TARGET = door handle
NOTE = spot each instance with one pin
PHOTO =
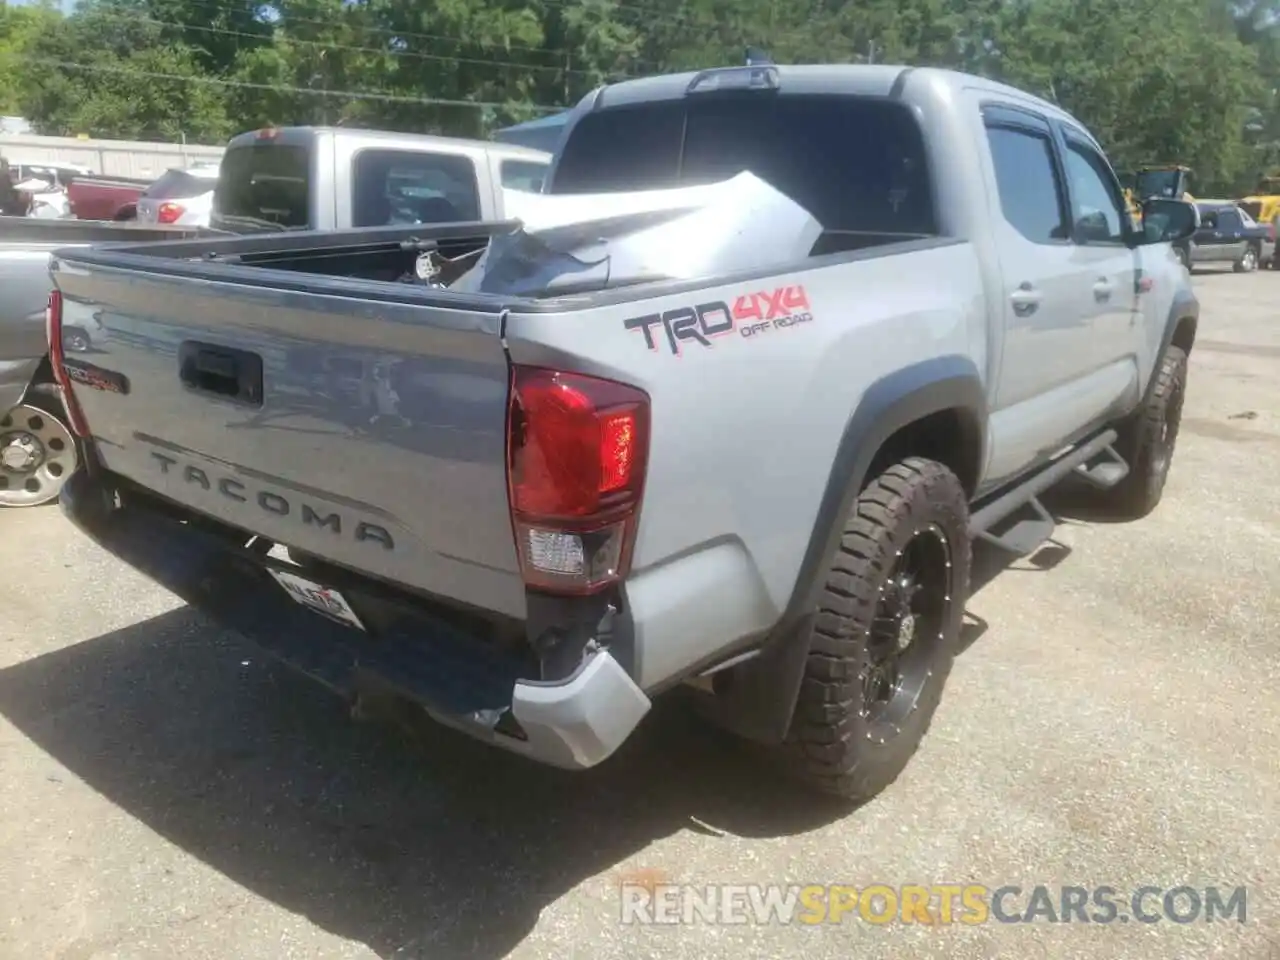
(1026, 299)
(221, 371)
(1102, 289)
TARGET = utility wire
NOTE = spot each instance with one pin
(219, 6)
(244, 84)
(381, 51)
(650, 16)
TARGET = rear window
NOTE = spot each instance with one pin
(178, 185)
(523, 175)
(403, 186)
(265, 181)
(1253, 208)
(855, 163)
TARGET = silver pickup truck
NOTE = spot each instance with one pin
(532, 514)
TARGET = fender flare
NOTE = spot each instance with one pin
(1185, 309)
(760, 699)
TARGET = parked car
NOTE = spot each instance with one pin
(40, 188)
(36, 454)
(323, 178)
(561, 497)
(1227, 234)
(104, 198)
(181, 195)
(58, 174)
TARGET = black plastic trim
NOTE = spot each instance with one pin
(900, 83)
(891, 403)
(1185, 307)
(1001, 113)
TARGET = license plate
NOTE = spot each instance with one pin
(320, 598)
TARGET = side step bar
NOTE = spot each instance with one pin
(1106, 470)
(1027, 534)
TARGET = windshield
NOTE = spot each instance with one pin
(857, 164)
(265, 182)
(1159, 183)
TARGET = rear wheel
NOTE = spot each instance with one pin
(1248, 261)
(37, 451)
(885, 634)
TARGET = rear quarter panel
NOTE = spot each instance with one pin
(745, 428)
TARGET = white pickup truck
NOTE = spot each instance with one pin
(334, 178)
(531, 507)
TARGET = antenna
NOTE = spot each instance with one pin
(758, 58)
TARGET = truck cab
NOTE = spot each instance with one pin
(331, 178)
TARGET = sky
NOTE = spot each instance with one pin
(66, 5)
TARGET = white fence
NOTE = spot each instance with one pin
(119, 158)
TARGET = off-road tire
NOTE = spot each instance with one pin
(830, 746)
(1147, 440)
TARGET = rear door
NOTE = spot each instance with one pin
(1210, 244)
(1231, 226)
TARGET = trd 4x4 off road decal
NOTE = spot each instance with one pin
(752, 315)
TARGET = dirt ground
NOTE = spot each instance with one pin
(1114, 721)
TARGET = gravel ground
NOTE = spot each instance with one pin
(1113, 722)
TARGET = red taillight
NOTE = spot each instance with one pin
(577, 447)
(169, 212)
(53, 330)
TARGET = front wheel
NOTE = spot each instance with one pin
(1148, 438)
(885, 633)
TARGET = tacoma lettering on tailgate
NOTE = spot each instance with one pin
(752, 315)
(268, 501)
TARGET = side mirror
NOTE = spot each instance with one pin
(1168, 221)
(1093, 228)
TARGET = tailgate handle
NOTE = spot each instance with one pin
(221, 371)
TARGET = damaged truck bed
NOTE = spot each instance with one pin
(723, 409)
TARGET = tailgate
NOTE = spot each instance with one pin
(366, 432)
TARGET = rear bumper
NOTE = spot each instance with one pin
(458, 679)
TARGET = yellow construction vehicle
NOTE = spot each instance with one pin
(1169, 180)
(1264, 204)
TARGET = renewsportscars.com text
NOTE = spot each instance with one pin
(675, 904)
